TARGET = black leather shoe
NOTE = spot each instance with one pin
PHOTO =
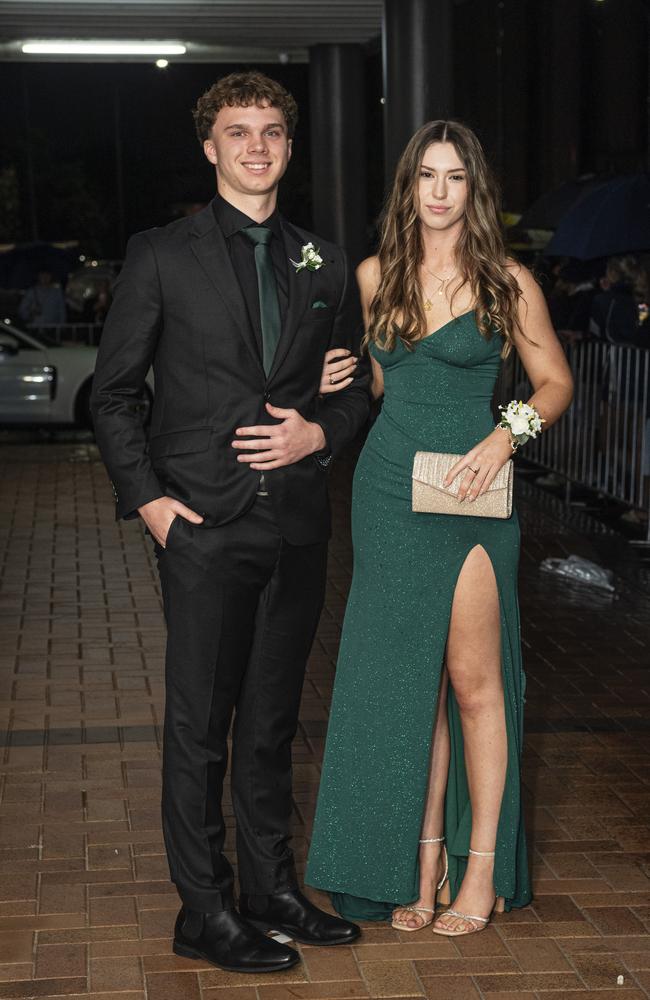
(293, 914)
(227, 941)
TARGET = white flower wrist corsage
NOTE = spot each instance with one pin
(310, 259)
(522, 420)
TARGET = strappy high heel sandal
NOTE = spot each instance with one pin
(478, 923)
(420, 910)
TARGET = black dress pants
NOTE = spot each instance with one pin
(242, 606)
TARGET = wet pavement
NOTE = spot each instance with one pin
(86, 908)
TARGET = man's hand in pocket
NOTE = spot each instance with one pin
(158, 515)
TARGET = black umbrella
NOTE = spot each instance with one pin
(548, 211)
(614, 218)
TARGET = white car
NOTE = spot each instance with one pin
(43, 383)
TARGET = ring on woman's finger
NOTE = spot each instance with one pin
(332, 380)
(475, 471)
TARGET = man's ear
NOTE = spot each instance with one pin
(210, 151)
(289, 148)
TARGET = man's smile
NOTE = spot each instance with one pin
(256, 167)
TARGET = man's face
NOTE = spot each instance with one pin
(250, 148)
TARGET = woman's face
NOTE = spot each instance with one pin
(442, 187)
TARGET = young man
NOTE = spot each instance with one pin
(232, 486)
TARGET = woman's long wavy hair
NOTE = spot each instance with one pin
(397, 310)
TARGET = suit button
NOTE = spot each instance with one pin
(267, 396)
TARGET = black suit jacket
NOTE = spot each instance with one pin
(178, 306)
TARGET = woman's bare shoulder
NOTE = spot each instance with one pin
(369, 274)
(522, 275)
(529, 287)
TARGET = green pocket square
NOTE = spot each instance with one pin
(319, 304)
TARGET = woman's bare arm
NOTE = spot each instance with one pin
(368, 277)
(547, 368)
(541, 354)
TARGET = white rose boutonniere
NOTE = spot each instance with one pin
(523, 422)
(310, 260)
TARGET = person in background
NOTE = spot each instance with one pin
(619, 313)
(43, 304)
(102, 301)
(570, 301)
(619, 316)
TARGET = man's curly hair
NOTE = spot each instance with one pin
(241, 90)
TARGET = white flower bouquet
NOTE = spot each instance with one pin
(310, 260)
(522, 420)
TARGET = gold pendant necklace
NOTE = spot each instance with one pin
(428, 304)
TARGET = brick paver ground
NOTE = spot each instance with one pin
(86, 908)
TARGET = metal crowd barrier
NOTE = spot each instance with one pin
(603, 440)
(70, 333)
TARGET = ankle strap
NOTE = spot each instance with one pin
(482, 854)
(432, 840)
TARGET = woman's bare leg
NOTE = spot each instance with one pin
(474, 667)
(431, 855)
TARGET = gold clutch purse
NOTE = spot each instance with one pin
(431, 497)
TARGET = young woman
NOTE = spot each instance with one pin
(420, 796)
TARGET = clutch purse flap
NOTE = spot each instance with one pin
(430, 496)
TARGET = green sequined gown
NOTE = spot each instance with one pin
(364, 848)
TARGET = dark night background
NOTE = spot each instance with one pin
(72, 117)
(506, 83)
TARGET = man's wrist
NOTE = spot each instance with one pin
(319, 439)
(145, 505)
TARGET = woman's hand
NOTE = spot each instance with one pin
(338, 370)
(481, 464)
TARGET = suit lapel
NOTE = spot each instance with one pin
(210, 249)
(299, 283)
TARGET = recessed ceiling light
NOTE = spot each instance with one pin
(98, 48)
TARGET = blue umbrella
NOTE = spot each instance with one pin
(612, 219)
(548, 211)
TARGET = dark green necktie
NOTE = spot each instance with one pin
(268, 289)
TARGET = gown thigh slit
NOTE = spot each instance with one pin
(458, 813)
(375, 775)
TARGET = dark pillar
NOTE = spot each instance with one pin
(418, 69)
(513, 132)
(493, 50)
(617, 87)
(646, 6)
(119, 171)
(338, 154)
(647, 95)
(560, 31)
(29, 161)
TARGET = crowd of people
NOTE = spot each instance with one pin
(47, 304)
(606, 300)
(603, 300)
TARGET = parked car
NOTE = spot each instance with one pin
(44, 383)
